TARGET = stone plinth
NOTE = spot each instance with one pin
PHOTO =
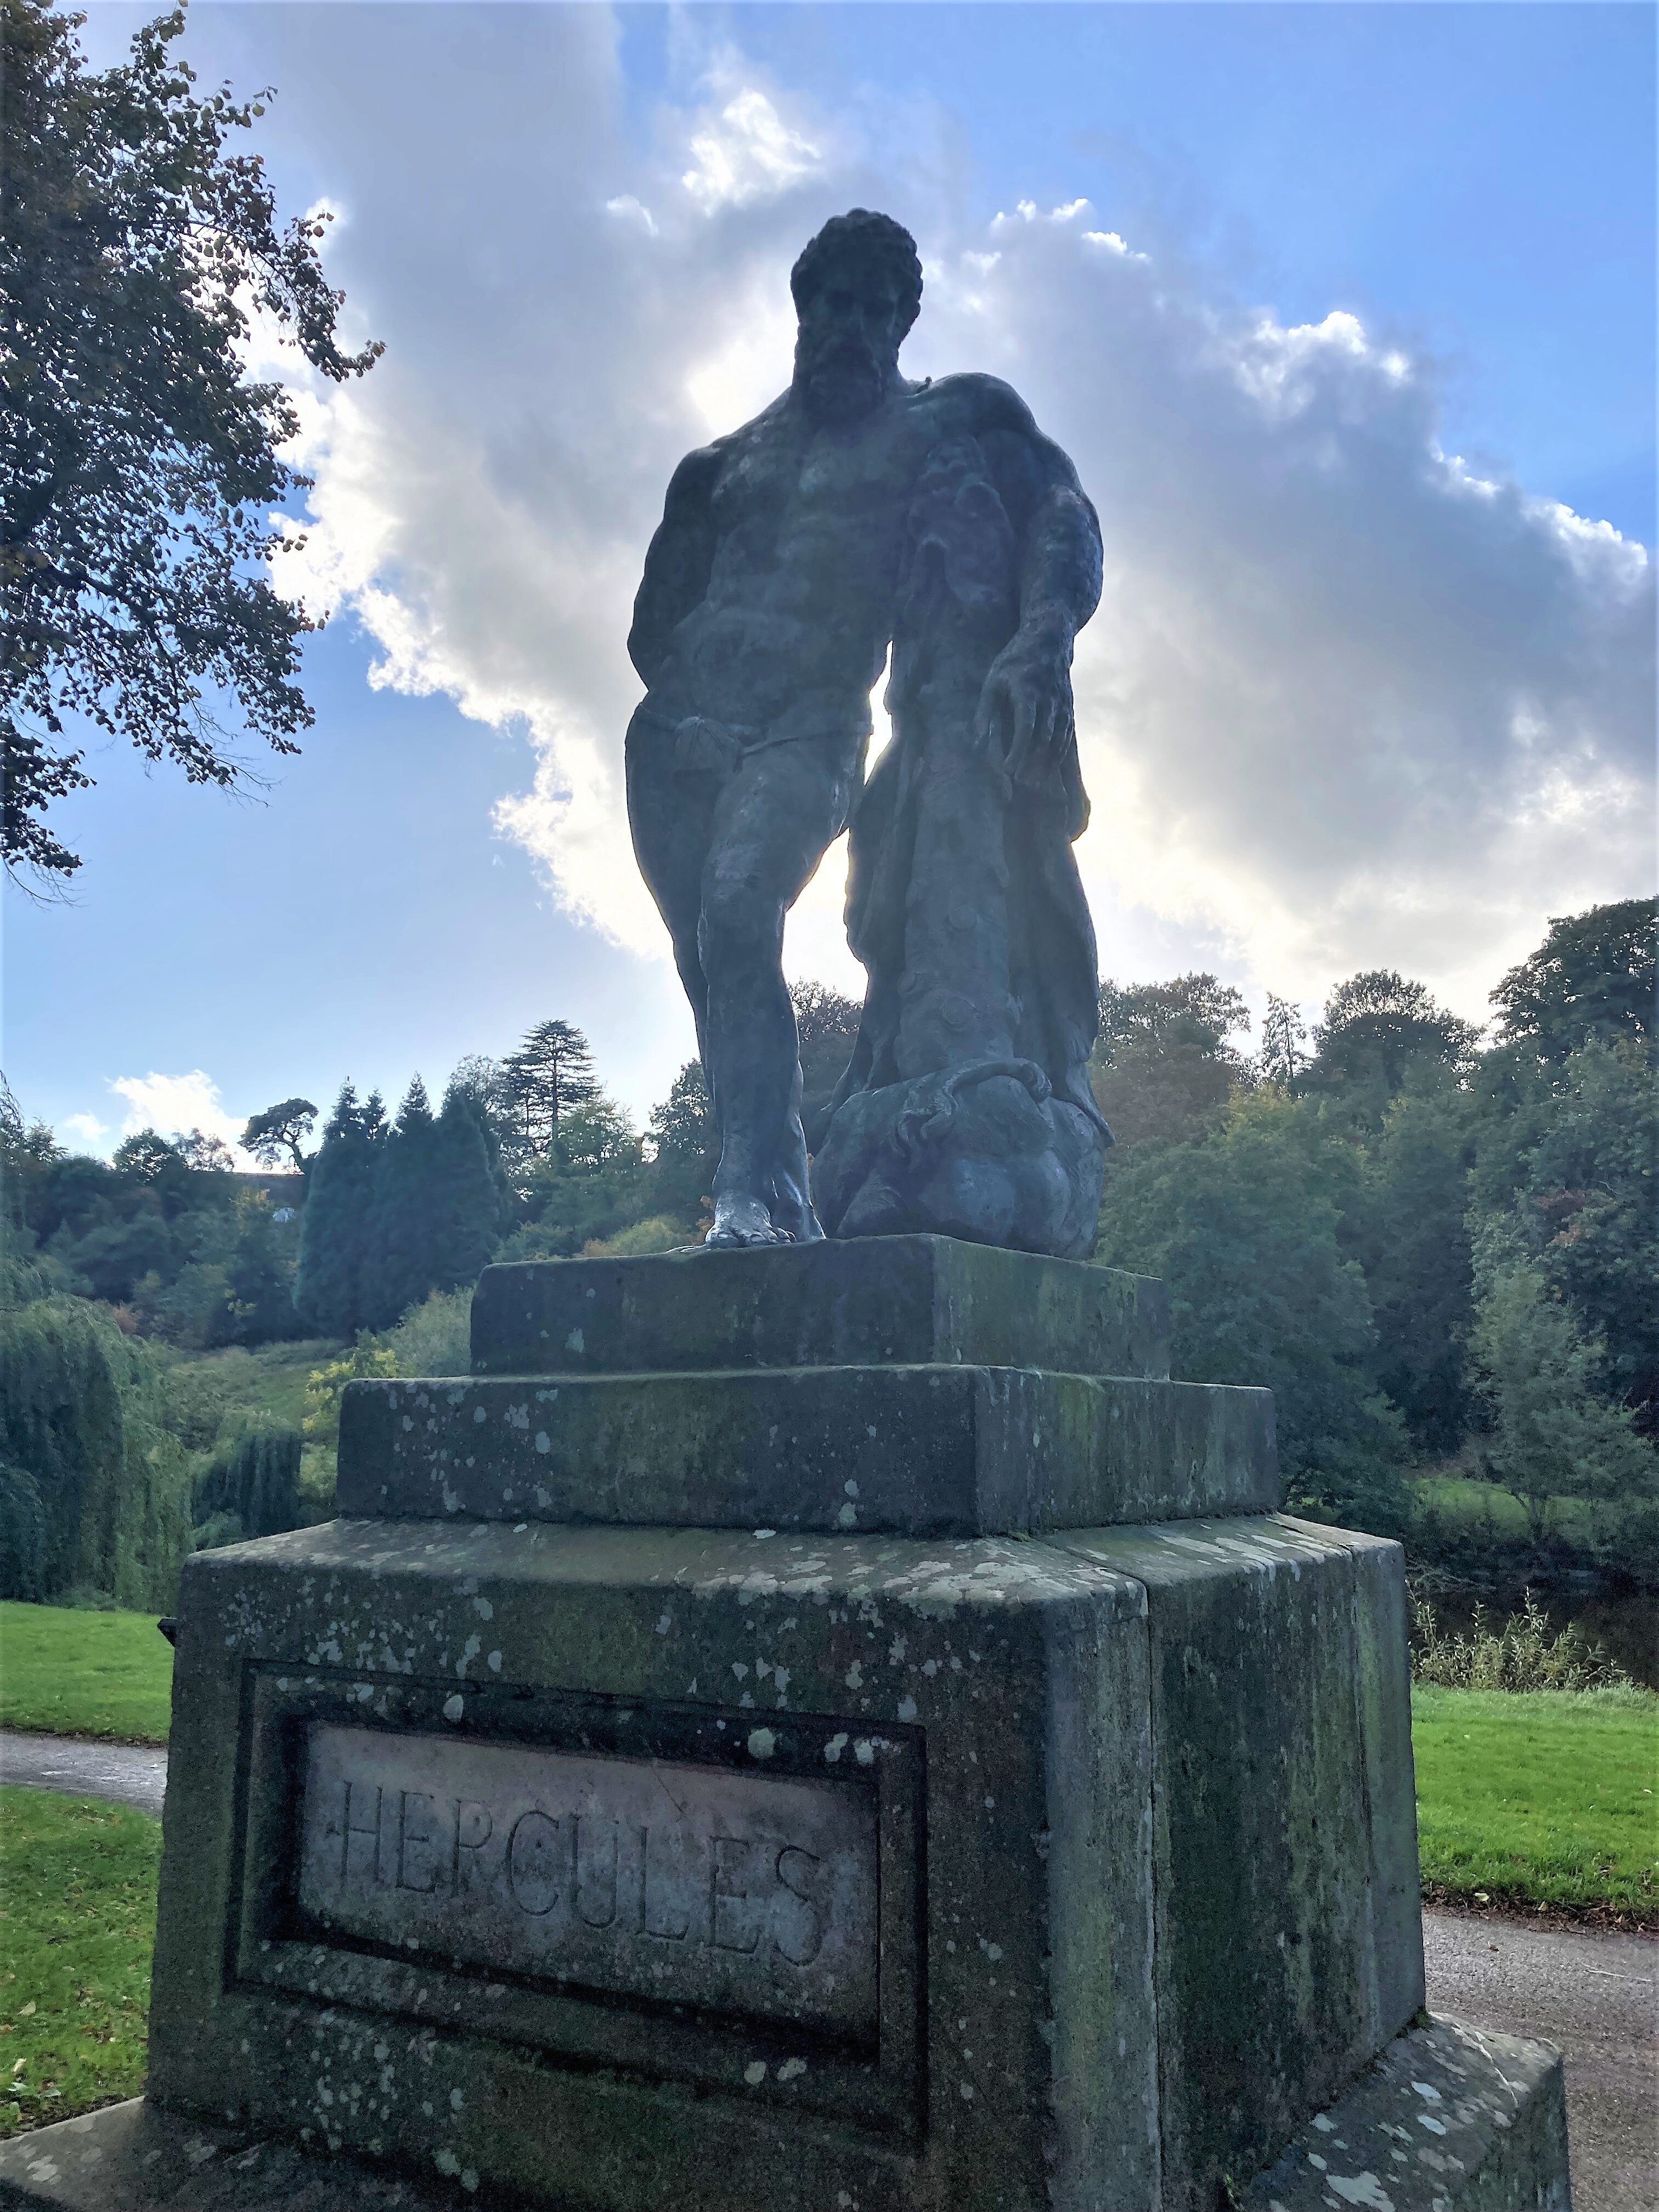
(951, 1833)
(909, 1300)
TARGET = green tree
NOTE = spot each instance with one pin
(1243, 1228)
(146, 1157)
(399, 1262)
(1571, 1169)
(252, 1485)
(203, 1154)
(1161, 1066)
(99, 1484)
(597, 1138)
(1283, 1033)
(684, 1146)
(1378, 1029)
(277, 1134)
(1408, 1225)
(259, 1277)
(826, 1030)
(551, 1071)
(1592, 980)
(325, 1387)
(466, 1216)
(139, 465)
(338, 1222)
(1555, 1433)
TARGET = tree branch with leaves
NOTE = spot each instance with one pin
(139, 465)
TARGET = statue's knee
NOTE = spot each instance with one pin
(738, 926)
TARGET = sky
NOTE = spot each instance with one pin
(1345, 313)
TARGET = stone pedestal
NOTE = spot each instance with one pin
(834, 1728)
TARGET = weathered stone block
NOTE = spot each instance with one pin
(1451, 2119)
(946, 1450)
(914, 1300)
(1289, 1946)
(976, 1715)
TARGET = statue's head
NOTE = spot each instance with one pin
(857, 289)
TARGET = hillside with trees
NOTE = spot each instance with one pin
(1436, 1245)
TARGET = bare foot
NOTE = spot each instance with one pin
(742, 1220)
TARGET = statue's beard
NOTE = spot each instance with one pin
(843, 379)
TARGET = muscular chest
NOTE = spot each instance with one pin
(807, 506)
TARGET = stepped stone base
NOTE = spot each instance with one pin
(908, 1451)
(1451, 2119)
(1498, 2143)
(797, 1731)
(904, 1300)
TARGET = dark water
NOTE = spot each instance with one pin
(1626, 1624)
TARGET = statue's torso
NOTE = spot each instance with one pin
(809, 527)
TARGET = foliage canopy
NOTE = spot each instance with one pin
(138, 461)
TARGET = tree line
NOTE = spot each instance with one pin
(1436, 1246)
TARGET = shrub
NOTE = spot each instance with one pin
(326, 1385)
(660, 1233)
(436, 1337)
(1522, 1656)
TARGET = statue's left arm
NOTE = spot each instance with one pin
(1025, 711)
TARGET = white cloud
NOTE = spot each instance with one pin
(85, 1129)
(172, 1105)
(1343, 705)
(748, 153)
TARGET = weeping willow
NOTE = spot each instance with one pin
(95, 1489)
(252, 1488)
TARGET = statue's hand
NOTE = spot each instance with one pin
(1025, 715)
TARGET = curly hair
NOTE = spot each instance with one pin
(861, 236)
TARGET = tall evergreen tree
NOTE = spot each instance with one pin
(400, 1267)
(338, 1217)
(551, 1070)
(465, 1201)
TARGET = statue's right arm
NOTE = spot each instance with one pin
(677, 562)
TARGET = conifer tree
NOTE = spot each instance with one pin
(463, 1201)
(399, 1266)
(551, 1070)
(338, 1217)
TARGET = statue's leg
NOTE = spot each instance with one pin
(774, 821)
(671, 817)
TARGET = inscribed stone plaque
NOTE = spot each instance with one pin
(690, 1884)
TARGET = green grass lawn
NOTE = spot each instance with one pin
(77, 1902)
(1457, 1499)
(271, 1379)
(1544, 1798)
(84, 1673)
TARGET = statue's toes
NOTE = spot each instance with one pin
(733, 1238)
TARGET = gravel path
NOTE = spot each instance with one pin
(1596, 1996)
(126, 1773)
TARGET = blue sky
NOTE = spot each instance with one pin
(1353, 344)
